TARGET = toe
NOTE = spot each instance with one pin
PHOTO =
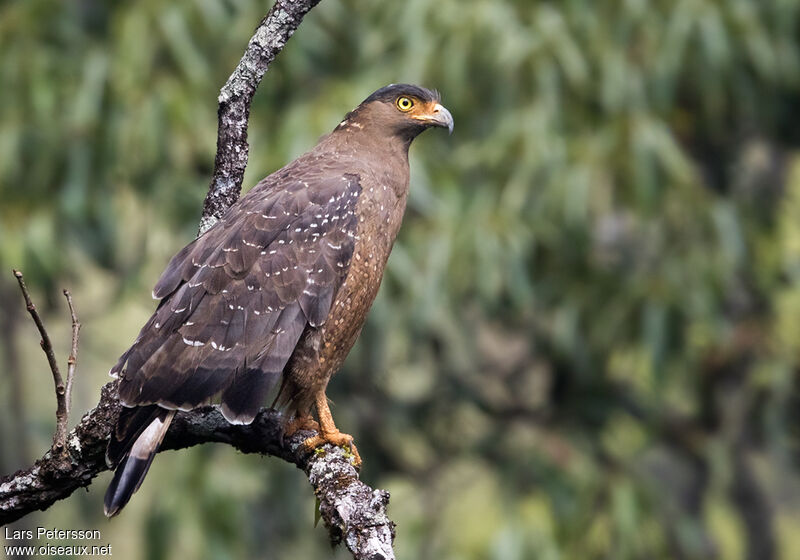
(301, 424)
(313, 442)
(339, 440)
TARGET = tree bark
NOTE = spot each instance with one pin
(235, 98)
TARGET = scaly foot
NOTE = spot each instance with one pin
(336, 438)
(328, 432)
(301, 423)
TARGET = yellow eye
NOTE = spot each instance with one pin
(404, 104)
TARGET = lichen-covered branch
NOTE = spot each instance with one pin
(353, 512)
(235, 97)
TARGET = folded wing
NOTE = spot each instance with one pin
(235, 302)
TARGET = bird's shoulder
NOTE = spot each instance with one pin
(300, 222)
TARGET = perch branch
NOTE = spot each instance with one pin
(353, 513)
(62, 390)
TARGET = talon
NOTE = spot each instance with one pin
(335, 438)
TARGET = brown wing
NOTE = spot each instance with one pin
(235, 302)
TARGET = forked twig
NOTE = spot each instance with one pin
(62, 390)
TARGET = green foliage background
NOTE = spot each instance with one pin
(588, 338)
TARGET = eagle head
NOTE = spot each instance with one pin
(403, 110)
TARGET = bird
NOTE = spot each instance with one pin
(270, 300)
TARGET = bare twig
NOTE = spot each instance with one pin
(73, 351)
(62, 411)
(234, 99)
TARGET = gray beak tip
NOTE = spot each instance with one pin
(443, 118)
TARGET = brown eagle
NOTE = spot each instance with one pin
(277, 290)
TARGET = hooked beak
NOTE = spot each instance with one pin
(440, 116)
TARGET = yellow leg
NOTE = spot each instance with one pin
(328, 433)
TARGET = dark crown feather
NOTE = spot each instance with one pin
(392, 91)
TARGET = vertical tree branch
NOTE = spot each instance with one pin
(234, 105)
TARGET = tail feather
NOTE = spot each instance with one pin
(131, 423)
(135, 463)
